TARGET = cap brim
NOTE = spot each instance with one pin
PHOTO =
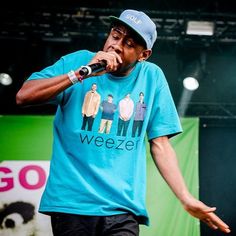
(115, 19)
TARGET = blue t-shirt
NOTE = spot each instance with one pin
(94, 173)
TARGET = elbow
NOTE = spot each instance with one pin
(20, 99)
(160, 145)
(23, 97)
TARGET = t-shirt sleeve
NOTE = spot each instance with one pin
(51, 71)
(66, 63)
(164, 119)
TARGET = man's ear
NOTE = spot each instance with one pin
(145, 54)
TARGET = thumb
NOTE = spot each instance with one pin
(209, 209)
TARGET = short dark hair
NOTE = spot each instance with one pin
(141, 93)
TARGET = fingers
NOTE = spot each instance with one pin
(209, 223)
(209, 209)
(224, 229)
(213, 221)
(206, 214)
(112, 59)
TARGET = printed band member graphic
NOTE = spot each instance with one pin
(126, 108)
(139, 114)
(90, 107)
(108, 109)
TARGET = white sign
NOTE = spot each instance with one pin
(21, 187)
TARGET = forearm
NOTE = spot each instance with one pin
(165, 160)
(41, 90)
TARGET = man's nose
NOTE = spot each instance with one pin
(118, 47)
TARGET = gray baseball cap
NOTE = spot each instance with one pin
(140, 23)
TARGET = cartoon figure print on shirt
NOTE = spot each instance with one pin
(139, 115)
(123, 114)
(108, 109)
(126, 108)
(90, 107)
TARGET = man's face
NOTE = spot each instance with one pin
(109, 99)
(94, 87)
(127, 96)
(126, 45)
(141, 96)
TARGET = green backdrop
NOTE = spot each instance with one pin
(30, 138)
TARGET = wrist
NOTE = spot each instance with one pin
(186, 198)
(74, 77)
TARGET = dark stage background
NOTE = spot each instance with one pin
(217, 171)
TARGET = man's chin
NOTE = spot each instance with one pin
(117, 73)
(122, 71)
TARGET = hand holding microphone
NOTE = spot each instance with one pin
(104, 61)
(84, 71)
(95, 67)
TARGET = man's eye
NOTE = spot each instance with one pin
(129, 43)
(115, 36)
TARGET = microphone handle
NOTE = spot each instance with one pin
(89, 69)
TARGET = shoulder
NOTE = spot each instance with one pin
(152, 68)
(153, 73)
(83, 55)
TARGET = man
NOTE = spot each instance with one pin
(126, 108)
(108, 110)
(90, 107)
(96, 186)
(139, 115)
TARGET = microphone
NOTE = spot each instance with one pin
(89, 69)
